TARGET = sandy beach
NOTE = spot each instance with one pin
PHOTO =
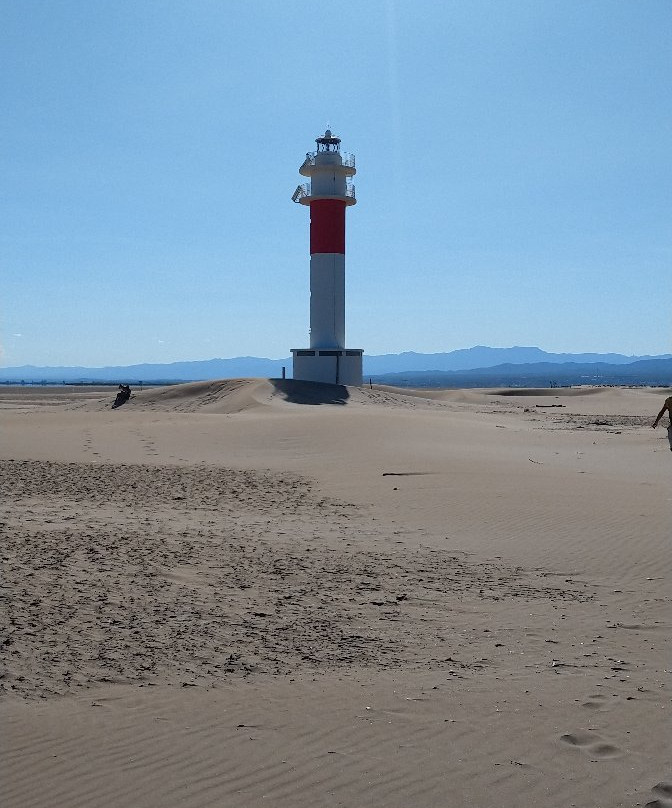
(253, 592)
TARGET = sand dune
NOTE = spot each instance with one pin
(265, 592)
(239, 395)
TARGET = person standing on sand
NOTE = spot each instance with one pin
(667, 407)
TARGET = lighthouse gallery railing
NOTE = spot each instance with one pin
(303, 191)
(348, 159)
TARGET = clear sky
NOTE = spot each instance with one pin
(514, 175)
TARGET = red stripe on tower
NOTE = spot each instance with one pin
(327, 226)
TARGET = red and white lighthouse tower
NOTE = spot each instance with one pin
(329, 192)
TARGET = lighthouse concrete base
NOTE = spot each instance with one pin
(328, 365)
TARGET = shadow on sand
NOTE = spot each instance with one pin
(298, 392)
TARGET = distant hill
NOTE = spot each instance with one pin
(481, 356)
(650, 372)
(242, 366)
(245, 366)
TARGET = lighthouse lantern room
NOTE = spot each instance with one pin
(329, 192)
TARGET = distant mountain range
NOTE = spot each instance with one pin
(240, 367)
(483, 357)
(469, 363)
(648, 372)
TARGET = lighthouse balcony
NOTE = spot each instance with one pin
(334, 160)
(304, 196)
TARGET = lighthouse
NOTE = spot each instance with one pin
(328, 194)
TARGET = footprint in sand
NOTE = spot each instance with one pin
(148, 445)
(663, 795)
(598, 702)
(592, 744)
(88, 442)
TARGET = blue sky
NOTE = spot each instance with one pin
(513, 180)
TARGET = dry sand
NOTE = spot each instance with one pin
(248, 593)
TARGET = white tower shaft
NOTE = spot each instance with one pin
(327, 300)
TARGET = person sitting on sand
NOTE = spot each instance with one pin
(667, 407)
(122, 396)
